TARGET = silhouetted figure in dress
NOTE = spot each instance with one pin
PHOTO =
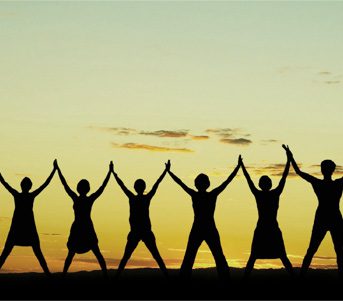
(328, 216)
(267, 241)
(204, 227)
(23, 230)
(82, 236)
(140, 221)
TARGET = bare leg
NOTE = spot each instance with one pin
(250, 266)
(38, 252)
(100, 259)
(317, 236)
(337, 239)
(213, 241)
(150, 242)
(68, 261)
(132, 242)
(6, 251)
(194, 242)
(287, 264)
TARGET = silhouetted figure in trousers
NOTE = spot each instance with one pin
(267, 241)
(23, 230)
(328, 216)
(82, 236)
(140, 221)
(204, 227)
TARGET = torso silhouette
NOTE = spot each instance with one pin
(23, 230)
(139, 213)
(82, 234)
(82, 208)
(204, 205)
(267, 206)
(328, 193)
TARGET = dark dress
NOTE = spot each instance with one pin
(82, 236)
(23, 230)
(267, 241)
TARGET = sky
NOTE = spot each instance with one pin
(196, 82)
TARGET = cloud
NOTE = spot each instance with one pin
(268, 141)
(200, 137)
(230, 135)
(276, 169)
(51, 234)
(153, 148)
(236, 141)
(224, 133)
(325, 257)
(338, 170)
(324, 73)
(332, 82)
(22, 175)
(166, 134)
(184, 250)
(133, 262)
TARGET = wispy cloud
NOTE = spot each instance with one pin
(324, 73)
(338, 170)
(51, 234)
(325, 257)
(222, 132)
(332, 82)
(116, 130)
(166, 134)
(233, 136)
(237, 141)
(276, 169)
(269, 141)
(199, 137)
(184, 250)
(133, 262)
(153, 148)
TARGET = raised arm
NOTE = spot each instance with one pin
(100, 190)
(183, 185)
(8, 186)
(159, 180)
(68, 190)
(302, 174)
(247, 176)
(47, 181)
(122, 186)
(222, 186)
(282, 182)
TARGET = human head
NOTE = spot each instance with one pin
(202, 182)
(139, 186)
(265, 183)
(26, 184)
(83, 187)
(327, 167)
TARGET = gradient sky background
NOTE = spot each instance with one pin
(143, 82)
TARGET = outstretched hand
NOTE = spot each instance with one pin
(168, 164)
(288, 151)
(55, 164)
(240, 160)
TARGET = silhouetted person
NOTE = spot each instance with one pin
(140, 221)
(328, 216)
(204, 227)
(82, 236)
(23, 230)
(267, 241)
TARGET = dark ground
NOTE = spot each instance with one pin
(150, 284)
